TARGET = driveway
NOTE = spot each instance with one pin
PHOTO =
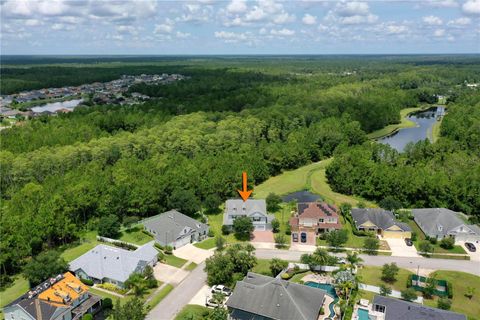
(201, 297)
(400, 249)
(192, 253)
(168, 274)
(262, 236)
(180, 295)
(474, 256)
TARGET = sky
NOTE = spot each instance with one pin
(150, 27)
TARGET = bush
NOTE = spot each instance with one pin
(168, 249)
(449, 290)
(414, 236)
(409, 294)
(444, 304)
(273, 202)
(426, 247)
(225, 230)
(159, 246)
(147, 233)
(289, 229)
(112, 287)
(275, 225)
(409, 280)
(286, 276)
(87, 282)
(211, 234)
(220, 243)
(161, 256)
(280, 240)
(107, 303)
(432, 240)
(447, 243)
(87, 316)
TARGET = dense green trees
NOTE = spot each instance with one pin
(47, 264)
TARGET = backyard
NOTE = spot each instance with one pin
(372, 275)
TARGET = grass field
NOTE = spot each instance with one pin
(372, 275)
(310, 177)
(206, 244)
(174, 261)
(135, 235)
(19, 287)
(88, 241)
(404, 123)
(192, 312)
(460, 281)
(159, 297)
(262, 267)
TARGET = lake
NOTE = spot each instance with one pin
(54, 106)
(424, 120)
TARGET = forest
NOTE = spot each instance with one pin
(187, 146)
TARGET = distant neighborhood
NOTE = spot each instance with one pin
(23, 104)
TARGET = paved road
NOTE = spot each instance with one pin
(472, 267)
(180, 296)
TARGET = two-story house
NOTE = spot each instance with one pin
(63, 297)
(311, 219)
(256, 210)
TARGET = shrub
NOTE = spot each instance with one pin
(161, 256)
(289, 229)
(168, 249)
(112, 287)
(449, 290)
(107, 303)
(385, 290)
(88, 282)
(409, 280)
(211, 234)
(286, 276)
(409, 294)
(147, 233)
(280, 241)
(220, 243)
(414, 236)
(432, 240)
(273, 202)
(444, 304)
(426, 247)
(87, 316)
(275, 225)
(225, 230)
(447, 243)
(159, 246)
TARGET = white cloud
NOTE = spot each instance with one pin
(283, 18)
(460, 22)
(354, 8)
(471, 7)
(127, 30)
(163, 28)
(308, 19)
(282, 32)
(396, 29)
(350, 13)
(439, 33)
(439, 3)
(234, 37)
(32, 22)
(237, 6)
(432, 20)
(182, 35)
(256, 14)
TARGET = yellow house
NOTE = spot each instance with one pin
(380, 221)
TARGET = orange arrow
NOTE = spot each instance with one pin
(244, 194)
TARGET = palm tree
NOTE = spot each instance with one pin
(345, 288)
(354, 259)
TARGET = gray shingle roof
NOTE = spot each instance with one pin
(245, 208)
(114, 263)
(47, 310)
(381, 218)
(169, 226)
(396, 309)
(276, 298)
(438, 221)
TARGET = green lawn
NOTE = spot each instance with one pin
(405, 123)
(460, 303)
(19, 287)
(372, 275)
(262, 267)
(362, 294)
(191, 266)
(111, 296)
(135, 235)
(192, 312)
(436, 247)
(88, 241)
(299, 276)
(174, 261)
(160, 295)
(206, 244)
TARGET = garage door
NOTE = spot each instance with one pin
(183, 241)
(260, 228)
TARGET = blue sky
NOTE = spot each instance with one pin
(239, 27)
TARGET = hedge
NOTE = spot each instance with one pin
(449, 290)
(88, 282)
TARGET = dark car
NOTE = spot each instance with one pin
(303, 237)
(470, 246)
(408, 242)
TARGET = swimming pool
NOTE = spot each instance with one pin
(330, 291)
(362, 314)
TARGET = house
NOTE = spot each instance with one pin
(440, 222)
(380, 221)
(63, 297)
(114, 265)
(262, 297)
(313, 218)
(175, 229)
(385, 308)
(254, 209)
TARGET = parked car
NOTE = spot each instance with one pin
(470, 246)
(221, 289)
(295, 237)
(303, 237)
(409, 242)
(210, 302)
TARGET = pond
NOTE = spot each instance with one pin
(54, 106)
(424, 120)
(301, 196)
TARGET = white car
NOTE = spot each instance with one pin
(221, 289)
(210, 302)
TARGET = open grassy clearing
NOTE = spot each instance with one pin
(460, 303)
(135, 235)
(160, 295)
(372, 275)
(206, 244)
(404, 123)
(19, 287)
(262, 267)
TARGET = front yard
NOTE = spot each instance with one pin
(174, 261)
(436, 247)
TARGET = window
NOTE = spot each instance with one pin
(379, 308)
(321, 220)
(257, 219)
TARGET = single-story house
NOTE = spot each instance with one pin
(440, 222)
(63, 297)
(262, 297)
(256, 210)
(113, 265)
(380, 221)
(175, 229)
(386, 308)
